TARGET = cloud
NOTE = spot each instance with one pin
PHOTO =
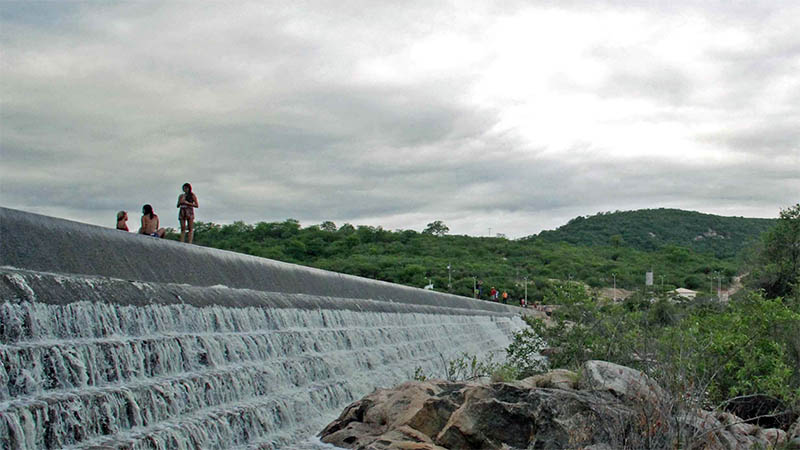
(516, 117)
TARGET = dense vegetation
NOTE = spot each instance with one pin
(708, 354)
(651, 229)
(711, 351)
(419, 258)
(703, 351)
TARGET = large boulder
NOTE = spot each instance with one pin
(610, 407)
(629, 385)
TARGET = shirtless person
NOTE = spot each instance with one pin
(150, 223)
(187, 202)
(122, 219)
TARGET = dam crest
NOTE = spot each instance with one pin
(115, 340)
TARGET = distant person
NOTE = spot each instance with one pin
(505, 297)
(522, 302)
(493, 293)
(150, 223)
(187, 202)
(122, 220)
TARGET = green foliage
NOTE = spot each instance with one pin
(749, 346)
(469, 367)
(523, 356)
(778, 267)
(713, 351)
(651, 229)
(408, 257)
(437, 228)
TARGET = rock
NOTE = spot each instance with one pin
(774, 436)
(362, 422)
(612, 407)
(625, 383)
(550, 351)
(735, 424)
(794, 430)
(558, 378)
(474, 416)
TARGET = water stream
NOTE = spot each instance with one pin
(180, 376)
(113, 340)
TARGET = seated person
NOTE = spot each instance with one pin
(122, 220)
(150, 223)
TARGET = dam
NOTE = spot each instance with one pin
(115, 340)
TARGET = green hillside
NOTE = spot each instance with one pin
(584, 250)
(651, 229)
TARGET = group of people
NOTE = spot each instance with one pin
(496, 296)
(187, 202)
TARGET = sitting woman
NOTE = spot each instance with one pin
(150, 223)
(122, 220)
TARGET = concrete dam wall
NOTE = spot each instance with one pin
(115, 340)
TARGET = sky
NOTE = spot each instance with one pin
(494, 117)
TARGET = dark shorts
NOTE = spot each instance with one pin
(186, 214)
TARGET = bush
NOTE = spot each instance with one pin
(524, 354)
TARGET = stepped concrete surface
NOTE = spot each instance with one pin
(46, 244)
(111, 339)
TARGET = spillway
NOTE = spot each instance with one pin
(115, 340)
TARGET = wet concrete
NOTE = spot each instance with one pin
(37, 243)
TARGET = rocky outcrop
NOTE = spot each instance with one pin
(604, 406)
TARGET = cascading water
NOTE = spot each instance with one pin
(94, 361)
(88, 374)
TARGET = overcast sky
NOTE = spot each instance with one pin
(514, 116)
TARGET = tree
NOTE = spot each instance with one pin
(437, 228)
(328, 226)
(780, 256)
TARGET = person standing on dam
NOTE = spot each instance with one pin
(187, 202)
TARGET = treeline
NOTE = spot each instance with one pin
(419, 258)
(651, 229)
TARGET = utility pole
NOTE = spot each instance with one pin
(615, 285)
(490, 231)
(526, 290)
(711, 285)
(449, 279)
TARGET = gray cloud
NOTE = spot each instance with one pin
(318, 112)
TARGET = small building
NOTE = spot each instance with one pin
(685, 293)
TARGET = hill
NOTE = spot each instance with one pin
(652, 229)
(583, 250)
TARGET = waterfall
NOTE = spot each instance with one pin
(157, 376)
(112, 340)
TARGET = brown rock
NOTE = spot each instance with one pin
(558, 378)
(618, 407)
